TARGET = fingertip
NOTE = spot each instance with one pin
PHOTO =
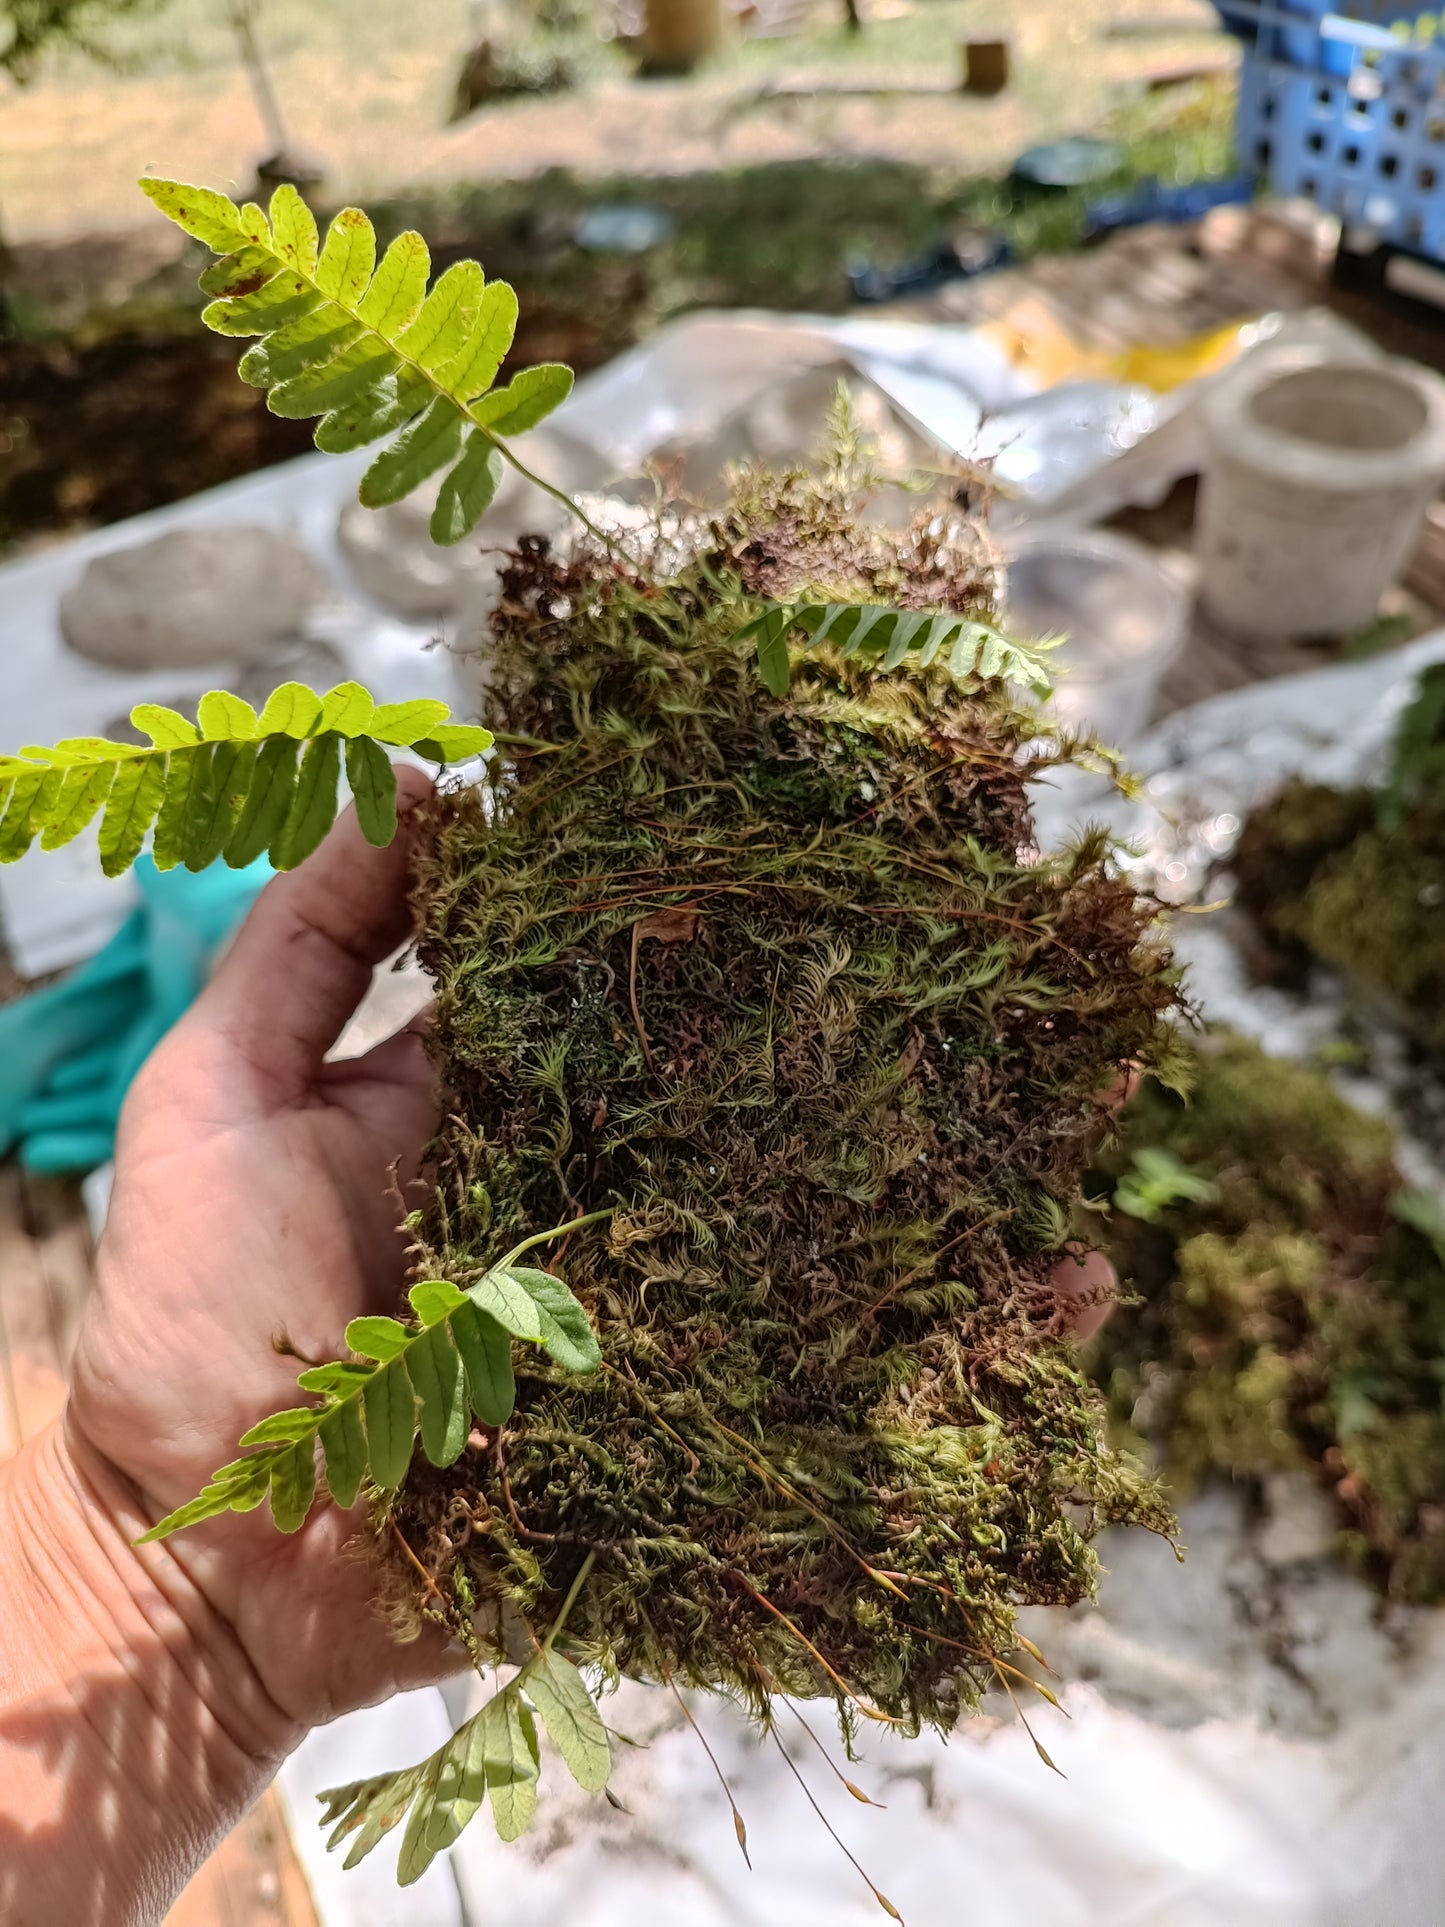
(414, 788)
(1089, 1286)
(302, 960)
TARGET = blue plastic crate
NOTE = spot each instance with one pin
(1345, 106)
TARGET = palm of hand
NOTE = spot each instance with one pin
(253, 1204)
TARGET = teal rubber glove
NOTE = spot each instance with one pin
(68, 1053)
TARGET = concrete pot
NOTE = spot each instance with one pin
(1319, 473)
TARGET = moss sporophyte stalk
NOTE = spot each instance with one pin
(764, 1024)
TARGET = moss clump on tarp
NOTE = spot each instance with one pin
(1355, 879)
(1290, 1316)
(786, 982)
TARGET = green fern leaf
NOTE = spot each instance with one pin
(430, 1376)
(404, 723)
(391, 404)
(526, 400)
(433, 1300)
(458, 1792)
(373, 789)
(466, 493)
(566, 1331)
(452, 743)
(436, 1799)
(446, 318)
(348, 260)
(431, 442)
(770, 630)
(889, 637)
(435, 1367)
(494, 1755)
(348, 709)
(283, 1428)
(511, 1763)
(313, 802)
(380, 1339)
(343, 1443)
(135, 796)
(398, 287)
(389, 1404)
(502, 1296)
(293, 228)
(293, 1485)
(366, 347)
(166, 728)
(267, 803)
(222, 780)
(224, 718)
(234, 786)
(337, 1379)
(338, 382)
(474, 367)
(370, 1809)
(31, 797)
(487, 1355)
(570, 1715)
(82, 791)
(287, 353)
(291, 710)
(184, 777)
(210, 217)
(247, 307)
(415, 1855)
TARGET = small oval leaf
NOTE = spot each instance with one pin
(378, 1338)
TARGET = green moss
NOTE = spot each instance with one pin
(1288, 1316)
(1355, 879)
(786, 983)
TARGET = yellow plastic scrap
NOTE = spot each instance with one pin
(1031, 334)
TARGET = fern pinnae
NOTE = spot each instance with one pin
(888, 637)
(425, 1378)
(231, 785)
(370, 350)
(495, 1755)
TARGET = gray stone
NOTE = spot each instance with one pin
(190, 598)
(397, 564)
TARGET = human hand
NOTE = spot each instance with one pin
(1084, 1282)
(253, 1203)
(148, 1692)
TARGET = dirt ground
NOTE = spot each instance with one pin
(366, 88)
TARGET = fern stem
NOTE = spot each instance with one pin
(557, 1231)
(609, 542)
(570, 1601)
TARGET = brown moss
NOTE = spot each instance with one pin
(786, 984)
(1291, 1316)
(1355, 879)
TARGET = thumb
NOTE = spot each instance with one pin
(302, 960)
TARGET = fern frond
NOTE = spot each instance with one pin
(367, 347)
(888, 637)
(494, 1754)
(428, 1376)
(231, 784)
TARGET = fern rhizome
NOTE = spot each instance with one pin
(758, 1006)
